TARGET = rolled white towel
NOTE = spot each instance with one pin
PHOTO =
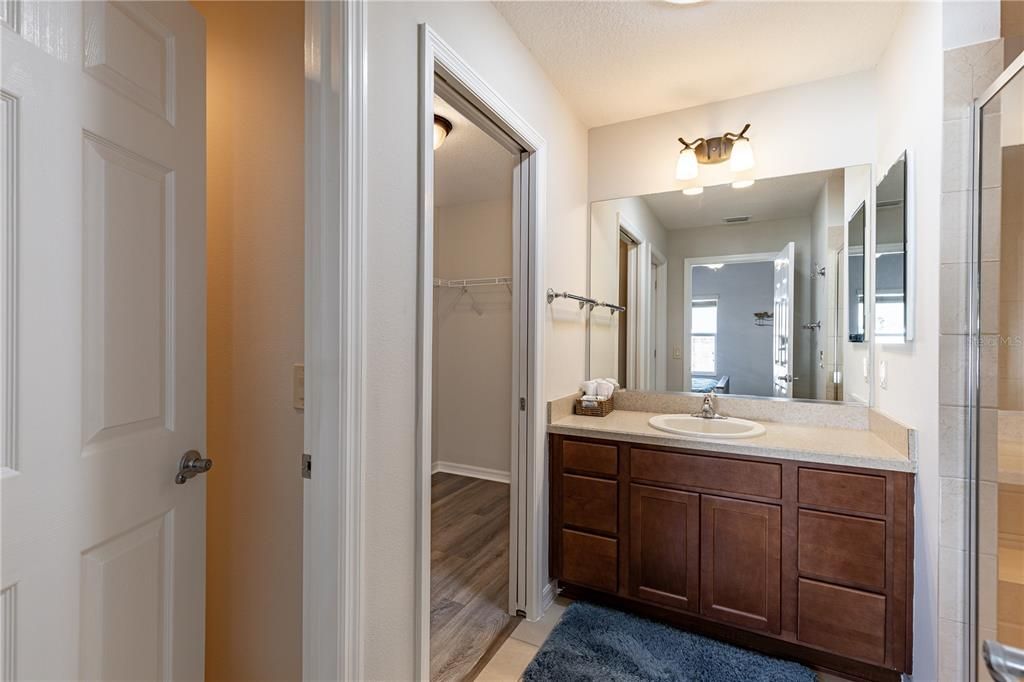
(589, 387)
(613, 382)
(604, 388)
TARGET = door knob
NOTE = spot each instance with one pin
(191, 464)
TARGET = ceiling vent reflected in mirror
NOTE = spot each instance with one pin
(737, 219)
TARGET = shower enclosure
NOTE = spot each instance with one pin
(996, 380)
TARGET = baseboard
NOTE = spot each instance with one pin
(471, 471)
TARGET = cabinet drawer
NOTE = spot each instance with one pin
(842, 548)
(590, 457)
(843, 491)
(712, 473)
(590, 560)
(848, 622)
(590, 503)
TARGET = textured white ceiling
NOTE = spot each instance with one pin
(470, 166)
(792, 196)
(617, 61)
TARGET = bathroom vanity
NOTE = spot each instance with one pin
(764, 543)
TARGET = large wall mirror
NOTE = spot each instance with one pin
(747, 291)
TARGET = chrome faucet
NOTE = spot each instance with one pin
(707, 408)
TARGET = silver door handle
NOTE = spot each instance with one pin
(1005, 663)
(788, 378)
(192, 464)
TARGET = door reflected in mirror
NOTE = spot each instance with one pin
(739, 291)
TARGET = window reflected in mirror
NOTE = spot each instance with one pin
(891, 310)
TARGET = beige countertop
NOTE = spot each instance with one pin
(847, 447)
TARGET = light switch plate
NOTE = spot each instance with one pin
(677, 353)
(299, 387)
(883, 374)
(867, 369)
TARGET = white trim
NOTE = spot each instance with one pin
(659, 321)
(471, 471)
(9, 284)
(443, 71)
(335, 346)
(688, 265)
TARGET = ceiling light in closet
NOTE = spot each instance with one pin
(442, 129)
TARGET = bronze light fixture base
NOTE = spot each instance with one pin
(712, 150)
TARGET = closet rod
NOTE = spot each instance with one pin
(477, 282)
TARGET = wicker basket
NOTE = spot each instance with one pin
(603, 409)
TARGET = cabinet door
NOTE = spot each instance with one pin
(664, 533)
(741, 564)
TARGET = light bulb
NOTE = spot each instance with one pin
(742, 184)
(442, 127)
(693, 191)
(742, 157)
(686, 166)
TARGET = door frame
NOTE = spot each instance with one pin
(442, 70)
(636, 248)
(688, 265)
(335, 339)
(974, 662)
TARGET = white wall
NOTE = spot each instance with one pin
(473, 352)
(254, 334)
(604, 272)
(478, 33)
(857, 190)
(910, 113)
(809, 127)
(826, 220)
(966, 22)
(769, 236)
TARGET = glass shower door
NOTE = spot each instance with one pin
(998, 376)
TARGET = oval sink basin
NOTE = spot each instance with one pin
(685, 425)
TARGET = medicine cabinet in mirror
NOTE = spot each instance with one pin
(737, 290)
(893, 310)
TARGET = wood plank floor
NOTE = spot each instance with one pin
(468, 572)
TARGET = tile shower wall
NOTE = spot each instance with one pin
(968, 71)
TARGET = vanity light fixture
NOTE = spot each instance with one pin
(442, 129)
(732, 147)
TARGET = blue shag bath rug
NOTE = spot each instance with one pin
(595, 643)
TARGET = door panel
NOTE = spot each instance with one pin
(664, 550)
(104, 152)
(741, 563)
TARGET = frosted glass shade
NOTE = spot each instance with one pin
(742, 157)
(686, 166)
(440, 134)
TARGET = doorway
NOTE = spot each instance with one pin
(472, 354)
(445, 74)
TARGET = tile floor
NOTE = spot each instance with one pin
(519, 649)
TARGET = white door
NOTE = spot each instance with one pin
(782, 322)
(104, 347)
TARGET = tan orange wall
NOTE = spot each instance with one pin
(254, 94)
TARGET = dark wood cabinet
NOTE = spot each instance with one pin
(664, 563)
(806, 561)
(741, 562)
